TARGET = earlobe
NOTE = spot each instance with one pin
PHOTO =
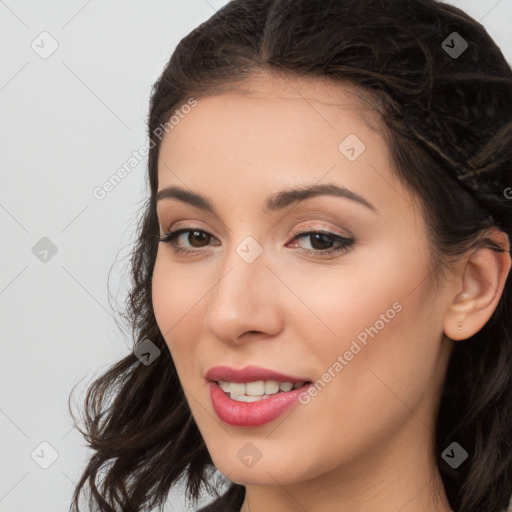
(481, 283)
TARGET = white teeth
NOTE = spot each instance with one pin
(285, 386)
(236, 388)
(257, 390)
(245, 398)
(271, 387)
(224, 386)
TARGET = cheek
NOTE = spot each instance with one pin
(377, 321)
(163, 290)
(176, 301)
(343, 302)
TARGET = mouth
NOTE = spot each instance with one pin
(257, 390)
(253, 396)
(249, 374)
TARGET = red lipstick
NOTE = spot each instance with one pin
(259, 412)
(248, 374)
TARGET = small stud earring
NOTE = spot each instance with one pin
(459, 326)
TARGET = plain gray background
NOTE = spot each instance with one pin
(68, 121)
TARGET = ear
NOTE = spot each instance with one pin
(480, 285)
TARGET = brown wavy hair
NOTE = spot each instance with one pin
(441, 114)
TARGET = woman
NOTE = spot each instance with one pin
(321, 286)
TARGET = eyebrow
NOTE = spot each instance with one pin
(273, 203)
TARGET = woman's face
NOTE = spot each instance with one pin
(356, 315)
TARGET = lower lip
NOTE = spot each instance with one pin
(252, 414)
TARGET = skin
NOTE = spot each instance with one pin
(365, 441)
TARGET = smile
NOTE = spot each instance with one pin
(252, 396)
(257, 390)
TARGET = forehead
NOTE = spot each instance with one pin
(277, 129)
(276, 107)
(241, 146)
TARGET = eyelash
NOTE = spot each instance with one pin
(169, 238)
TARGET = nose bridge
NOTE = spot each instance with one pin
(244, 271)
(240, 300)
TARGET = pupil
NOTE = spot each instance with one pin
(197, 233)
(317, 237)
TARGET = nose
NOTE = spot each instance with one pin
(246, 300)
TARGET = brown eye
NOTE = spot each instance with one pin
(322, 242)
(197, 238)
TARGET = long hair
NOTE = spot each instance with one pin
(441, 112)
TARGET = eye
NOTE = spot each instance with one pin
(172, 238)
(324, 242)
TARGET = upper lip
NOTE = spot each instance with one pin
(249, 374)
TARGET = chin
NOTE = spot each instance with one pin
(266, 471)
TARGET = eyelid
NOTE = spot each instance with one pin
(298, 216)
(185, 224)
(347, 242)
(300, 230)
(322, 227)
